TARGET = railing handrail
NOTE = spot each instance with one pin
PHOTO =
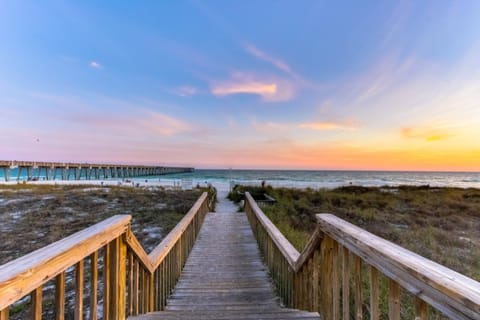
(38, 267)
(445, 289)
(162, 249)
(29, 273)
(290, 253)
(448, 291)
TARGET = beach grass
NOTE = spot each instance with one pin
(441, 224)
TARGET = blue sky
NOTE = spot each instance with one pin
(242, 84)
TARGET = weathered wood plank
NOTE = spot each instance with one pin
(219, 280)
(23, 275)
(452, 293)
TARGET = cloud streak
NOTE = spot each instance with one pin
(427, 134)
(268, 88)
(328, 125)
(279, 64)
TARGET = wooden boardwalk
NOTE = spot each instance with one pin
(224, 277)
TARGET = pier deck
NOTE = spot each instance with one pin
(33, 170)
(224, 277)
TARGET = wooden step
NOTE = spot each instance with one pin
(279, 314)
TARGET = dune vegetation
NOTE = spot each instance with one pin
(442, 224)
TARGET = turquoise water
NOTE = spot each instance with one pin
(330, 179)
(302, 179)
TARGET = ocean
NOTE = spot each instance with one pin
(311, 179)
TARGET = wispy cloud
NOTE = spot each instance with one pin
(95, 65)
(164, 125)
(186, 91)
(328, 125)
(427, 134)
(269, 88)
(250, 48)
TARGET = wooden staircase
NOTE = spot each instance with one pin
(233, 265)
(225, 278)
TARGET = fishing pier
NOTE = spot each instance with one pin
(32, 170)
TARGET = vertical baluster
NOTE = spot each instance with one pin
(106, 283)
(142, 289)
(151, 294)
(164, 287)
(327, 277)
(60, 296)
(118, 276)
(421, 309)
(358, 288)
(374, 307)
(93, 285)
(135, 287)
(130, 283)
(4, 313)
(79, 290)
(394, 301)
(146, 287)
(36, 297)
(335, 282)
(346, 284)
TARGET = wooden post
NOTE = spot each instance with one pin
(4, 313)
(394, 301)
(335, 283)
(93, 285)
(326, 311)
(79, 290)
(358, 288)
(421, 309)
(151, 293)
(346, 284)
(60, 296)
(36, 297)
(374, 307)
(106, 282)
(118, 279)
(130, 283)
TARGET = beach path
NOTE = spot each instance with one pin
(224, 277)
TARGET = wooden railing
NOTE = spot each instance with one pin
(133, 282)
(329, 275)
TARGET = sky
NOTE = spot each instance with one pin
(329, 85)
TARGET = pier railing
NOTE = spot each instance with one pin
(329, 275)
(132, 281)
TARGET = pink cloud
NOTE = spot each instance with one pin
(270, 89)
(328, 125)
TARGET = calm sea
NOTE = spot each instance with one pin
(315, 179)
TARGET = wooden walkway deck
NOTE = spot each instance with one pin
(224, 277)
